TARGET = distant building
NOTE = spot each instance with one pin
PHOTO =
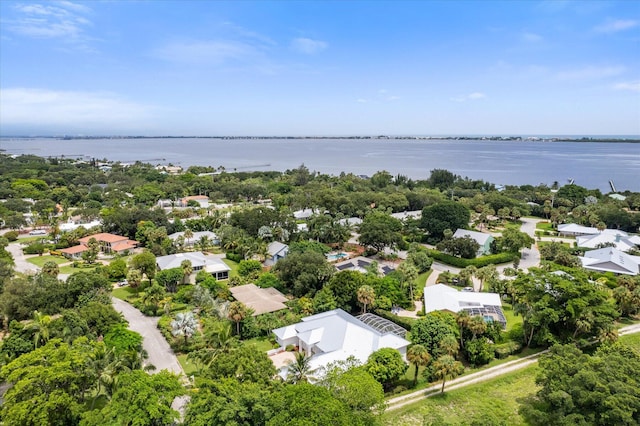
(573, 229)
(199, 261)
(480, 237)
(613, 237)
(109, 243)
(190, 242)
(202, 200)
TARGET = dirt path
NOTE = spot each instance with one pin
(160, 354)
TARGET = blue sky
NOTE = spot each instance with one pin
(320, 68)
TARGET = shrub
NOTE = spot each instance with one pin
(11, 235)
(479, 262)
(479, 351)
(505, 349)
(234, 257)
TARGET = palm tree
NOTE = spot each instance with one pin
(467, 273)
(462, 319)
(446, 367)
(366, 296)
(50, 268)
(486, 273)
(134, 278)
(41, 326)
(204, 243)
(449, 345)
(419, 356)
(187, 270)
(184, 325)
(219, 339)
(601, 226)
(477, 326)
(188, 235)
(299, 370)
(237, 312)
(408, 274)
(153, 296)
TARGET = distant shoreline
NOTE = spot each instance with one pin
(382, 137)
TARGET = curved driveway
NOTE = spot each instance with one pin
(160, 353)
(21, 264)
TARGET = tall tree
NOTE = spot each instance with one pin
(366, 296)
(419, 356)
(237, 313)
(446, 367)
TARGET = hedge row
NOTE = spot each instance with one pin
(503, 350)
(405, 323)
(478, 262)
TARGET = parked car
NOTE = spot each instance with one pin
(468, 289)
(123, 283)
(38, 232)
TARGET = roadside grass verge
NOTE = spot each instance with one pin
(41, 260)
(125, 293)
(496, 399)
(632, 340)
(421, 281)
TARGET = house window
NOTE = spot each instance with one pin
(224, 275)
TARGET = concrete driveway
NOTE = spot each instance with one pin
(160, 353)
(21, 264)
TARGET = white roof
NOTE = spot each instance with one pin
(70, 226)
(303, 214)
(480, 237)
(609, 259)
(609, 236)
(337, 335)
(440, 297)
(197, 258)
(414, 214)
(574, 228)
(350, 221)
(276, 247)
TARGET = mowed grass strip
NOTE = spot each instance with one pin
(41, 260)
(497, 398)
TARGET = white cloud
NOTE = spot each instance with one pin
(61, 110)
(615, 25)
(591, 73)
(470, 97)
(633, 86)
(308, 46)
(362, 101)
(61, 20)
(531, 37)
(206, 51)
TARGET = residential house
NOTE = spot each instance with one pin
(573, 229)
(109, 244)
(335, 336)
(481, 238)
(609, 259)
(72, 225)
(609, 237)
(276, 251)
(202, 200)
(260, 300)
(440, 297)
(199, 262)
(361, 264)
(415, 214)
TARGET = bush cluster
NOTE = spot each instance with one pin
(493, 259)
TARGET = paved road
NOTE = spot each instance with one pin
(530, 256)
(21, 264)
(160, 353)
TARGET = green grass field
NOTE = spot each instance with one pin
(234, 267)
(512, 318)
(187, 365)
(497, 398)
(124, 293)
(421, 281)
(632, 340)
(261, 343)
(69, 269)
(545, 226)
(41, 260)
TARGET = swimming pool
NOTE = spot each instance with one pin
(336, 256)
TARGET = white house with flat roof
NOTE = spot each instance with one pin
(212, 236)
(614, 237)
(574, 229)
(335, 336)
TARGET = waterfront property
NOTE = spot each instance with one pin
(199, 261)
(440, 297)
(335, 336)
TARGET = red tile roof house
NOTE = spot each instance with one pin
(109, 243)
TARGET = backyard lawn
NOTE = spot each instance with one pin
(187, 365)
(234, 267)
(124, 293)
(261, 343)
(69, 269)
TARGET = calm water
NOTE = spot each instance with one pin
(591, 165)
